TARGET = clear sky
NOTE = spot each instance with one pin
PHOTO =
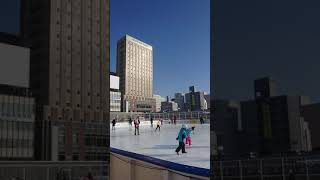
(273, 38)
(9, 16)
(178, 30)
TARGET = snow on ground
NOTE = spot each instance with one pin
(162, 144)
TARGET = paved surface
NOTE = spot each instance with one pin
(162, 144)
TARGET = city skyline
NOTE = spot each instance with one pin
(254, 39)
(180, 38)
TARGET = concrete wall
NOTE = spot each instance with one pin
(122, 167)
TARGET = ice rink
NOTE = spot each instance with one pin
(162, 144)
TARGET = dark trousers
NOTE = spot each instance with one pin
(157, 128)
(181, 146)
(136, 129)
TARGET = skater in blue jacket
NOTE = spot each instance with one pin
(181, 136)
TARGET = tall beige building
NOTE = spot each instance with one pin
(69, 62)
(135, 68)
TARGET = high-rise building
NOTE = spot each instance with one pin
(135, 69)
(69, 62)
(179, 99)
(194, 100)
(265, 88)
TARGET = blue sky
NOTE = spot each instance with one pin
(9, 16)
(179, 32)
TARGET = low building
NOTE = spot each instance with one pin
(17, 105)
(169, 106)
(115, 94)
(17, 120)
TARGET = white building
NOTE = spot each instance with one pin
(159, 100)
(115, 94)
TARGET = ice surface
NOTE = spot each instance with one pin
(162, 144)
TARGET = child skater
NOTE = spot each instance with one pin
(189, 132)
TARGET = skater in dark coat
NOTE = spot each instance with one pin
(113, 124)
(136, 126)
(151, 121)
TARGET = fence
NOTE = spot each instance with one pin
(48, 170)
(122, 116)
(267, 169)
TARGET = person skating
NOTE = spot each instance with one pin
(158, 125)
(189, 131)
(181, 136)
(151, 121)
(130, 121)
(113, 124)
(136, 126)
(201, 120)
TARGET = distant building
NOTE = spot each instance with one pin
(264, 88)
(169, 106)
(194, 100)
(311, 114)
(207, 98)
(267, 125)
(135, 69)
(115, 94)
(227, 123)
(158, 100)
(179, 99)
(282, 128)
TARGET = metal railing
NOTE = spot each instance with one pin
(271, 169)
(48, 170)
(122, 116)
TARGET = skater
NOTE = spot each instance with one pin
(175, 120)
(130, 121)
(151, 121)
(201, 120)
(136, 126)
(189, 131)
(181, 136)
(114, 124)
(158, 125)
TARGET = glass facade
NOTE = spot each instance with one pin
(16, 127)
(115, 101)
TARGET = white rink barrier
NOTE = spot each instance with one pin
(131, 166)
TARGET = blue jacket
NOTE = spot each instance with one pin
(182, 134)
(189, 132)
